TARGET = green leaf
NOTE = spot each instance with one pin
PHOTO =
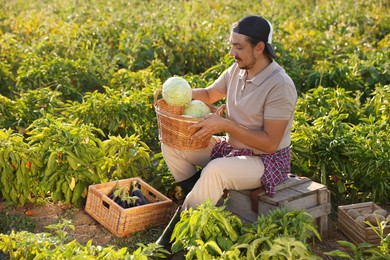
(224, 242)
(338, 253)
(212, 244)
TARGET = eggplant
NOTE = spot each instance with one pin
(115, 191)
(129, 201)
(138, 193)
(124, 204)
(120, 196)
(126, 199)
(118, 201)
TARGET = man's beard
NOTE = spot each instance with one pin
(246, 66)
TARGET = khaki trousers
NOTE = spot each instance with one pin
(230, 173)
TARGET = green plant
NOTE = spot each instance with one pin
(7, 112)
(370, 176)
(321, 149)
(128, 155)
(29, 105)
(366, 250)
(343, 143)
(71, 155)
(121, 112)
(258, 237)
(71, 77)
(321, 101)
(357, 250)
(212, 232)
(35, 103)
(19, 169)
(26, 245)
(287, 248)
(196, 225)
(15, 222)
(290, 223)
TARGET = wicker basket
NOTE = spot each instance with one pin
(122, 222)
(173, 127)
(162, 105)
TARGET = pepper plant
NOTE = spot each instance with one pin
(342, 144)
(212, 232)
(71, 155)
(126, 156)
(44, 245)
(118, 112)
(18, 169)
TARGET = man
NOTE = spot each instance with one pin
(260, 103)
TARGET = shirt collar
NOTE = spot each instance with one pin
(261, 76)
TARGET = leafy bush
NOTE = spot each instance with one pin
(213, 232)
(18, 178)
(71, 158)
(71, 77)
(7, 112)
(118, 112)
(26, 245)
(333, 46)
(15, 222)
(342, 144)
(128, 156)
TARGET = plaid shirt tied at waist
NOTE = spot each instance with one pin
(276, 165)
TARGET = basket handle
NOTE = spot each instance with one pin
(156, 94)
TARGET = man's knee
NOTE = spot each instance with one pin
(213, 169)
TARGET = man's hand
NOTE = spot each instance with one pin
(266, 140)
(212, 124)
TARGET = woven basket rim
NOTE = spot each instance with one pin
(218, 110)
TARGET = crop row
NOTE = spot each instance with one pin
(77, 80)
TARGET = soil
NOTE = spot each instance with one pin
(87, 228)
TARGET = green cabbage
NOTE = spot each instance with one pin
(197, 109)
(176, 91)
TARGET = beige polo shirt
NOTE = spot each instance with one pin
(271, 94)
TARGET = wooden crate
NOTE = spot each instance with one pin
(294, 193)
(121, 222)
(356, 232)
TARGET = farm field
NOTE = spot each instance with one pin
(77, 84)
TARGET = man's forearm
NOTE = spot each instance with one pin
(201, 94)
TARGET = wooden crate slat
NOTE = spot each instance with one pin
(292, 180)
(319, 210)
(281, 195)
(240, 204)
(308, 186)
(301, 202)
(353, 230)
(294, 193)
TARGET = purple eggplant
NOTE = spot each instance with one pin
(129, 201)
(138, 193)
